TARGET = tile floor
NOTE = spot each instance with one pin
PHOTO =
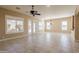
(41, 43)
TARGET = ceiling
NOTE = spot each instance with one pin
(46, 11)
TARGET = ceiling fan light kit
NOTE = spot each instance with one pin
(33, 12)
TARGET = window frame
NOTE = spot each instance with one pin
(13, 18)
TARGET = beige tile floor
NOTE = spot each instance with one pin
(41, 43)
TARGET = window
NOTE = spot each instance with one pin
(64, 25)
(41, 25)
(48, 25)
(11, 26)
(14, 25)
(19, 26)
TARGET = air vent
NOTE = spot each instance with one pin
(17, 8)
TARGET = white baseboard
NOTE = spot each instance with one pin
(13, 37)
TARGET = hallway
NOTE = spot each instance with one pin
(41, 43)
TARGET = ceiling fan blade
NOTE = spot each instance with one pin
(38, 14)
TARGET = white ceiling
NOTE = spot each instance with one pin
(54, 11)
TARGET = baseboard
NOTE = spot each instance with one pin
(13, 37)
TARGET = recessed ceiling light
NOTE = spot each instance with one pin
(47, 5)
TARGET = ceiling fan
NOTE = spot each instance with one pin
(34, 12)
